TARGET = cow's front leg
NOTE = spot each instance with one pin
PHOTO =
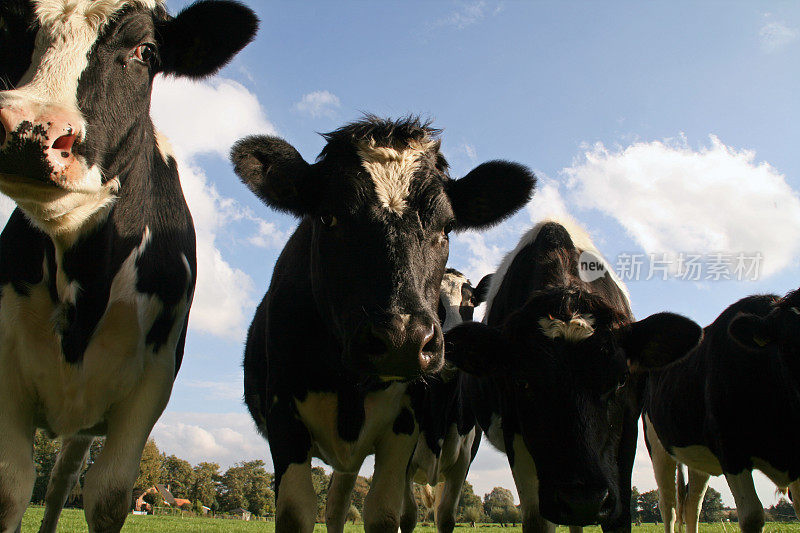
(748, 506)
(696, 490)
(63, 478)
(110, 480)
(17, 472)
(408, 518)
(794, 496)
(527, 482)
(340, 494)
(384, 502)
(664, 469)
(290, 445)
(447, 500)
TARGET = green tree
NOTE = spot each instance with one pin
(205, 485)
(498, 505)
(712, 506)
(635, 515)
(648, 506)
(320, 480)
(360, 490)
(782, 512)
(467, 500)
(178, 475)
(472, 515)
(45, 453)
(150, 470)
(247, 485)
(353, 514)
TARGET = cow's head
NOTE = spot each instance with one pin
(458, 298)
(564, 361)
(780, 328)
(78, 76)
(381, 206)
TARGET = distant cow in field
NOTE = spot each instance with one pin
(729, 408)
(557, 371)
(449, 437)
(350, 315)
(97, 263)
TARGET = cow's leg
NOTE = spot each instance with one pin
(625, 460)
(664, 469)
(65, 474)
(17, 473)
(290, 445)
(696, 490)
(384, 502)
(454, 477)
(408, 518)
(748, 506)
(794, 496)
(110, 480)
(340, 492)
(527, 482)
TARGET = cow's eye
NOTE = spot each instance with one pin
(328, 220)
(623, 380)
(144, 53)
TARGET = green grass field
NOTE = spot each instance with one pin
(72, 521)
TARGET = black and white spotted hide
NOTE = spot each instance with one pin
(350, 317)
(97, 263)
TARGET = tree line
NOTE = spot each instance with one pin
(248, 485)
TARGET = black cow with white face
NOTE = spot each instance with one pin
(449, 436)
(557, 378)
(97, 263)
(350, 315)
(710, 411)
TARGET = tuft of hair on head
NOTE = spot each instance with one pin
(578, 328)
(374, 131)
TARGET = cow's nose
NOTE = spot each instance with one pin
(420, 340)
(577, 504)
(56, 131)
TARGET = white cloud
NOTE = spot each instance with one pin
(547, 201)
(470, 151)
(469, 13)
(201, 118)
(224, 438)
(268, 235)
(775, 35)
(318, 104)
(671, 199)
(206, 116)
(7, 206)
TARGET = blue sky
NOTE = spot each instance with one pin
(663, 127)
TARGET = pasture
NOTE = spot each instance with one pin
(72, 521)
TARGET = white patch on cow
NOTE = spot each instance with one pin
(74, 397)
(699, 458)
(450, 295)
(60, 213)
(525, 478)
(392, 170)
(581, 240)
(319, 413)
(579, 327)
(795, 310)
(165, 147)
(495, 432)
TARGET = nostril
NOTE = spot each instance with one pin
(429, 343)
(64, 144)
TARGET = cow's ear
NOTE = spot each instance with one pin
(276, 173)
(490, 193)
(204, 37)
(477, 349)
(752, 332)
(660, 340)
(480, 292)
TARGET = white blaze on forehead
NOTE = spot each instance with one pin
(579, 327)
(392, 169)
(69, 30)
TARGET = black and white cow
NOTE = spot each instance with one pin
(97, 263)
(557, 369)
(729, 408)
(350, 314)
(449, 437)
